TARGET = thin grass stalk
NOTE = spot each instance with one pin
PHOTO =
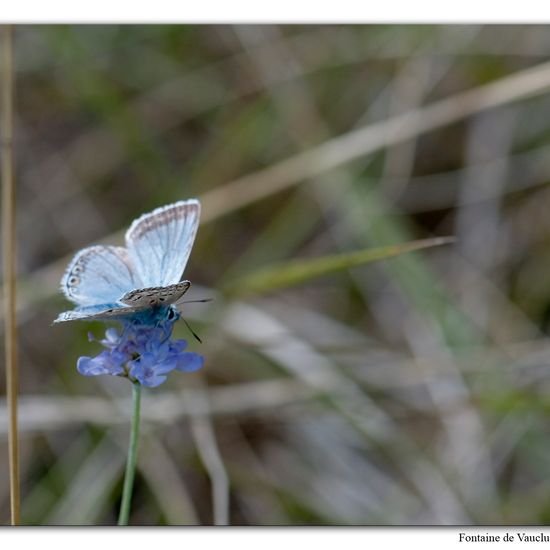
(132, 457)
(9, 263)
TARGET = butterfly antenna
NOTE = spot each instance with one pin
(191, 330)
(204, 300)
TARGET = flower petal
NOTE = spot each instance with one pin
(177, 346)
(189, 362)
(145, 374)
(103, 363)
(153, 381)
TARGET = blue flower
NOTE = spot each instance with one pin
(142, 352)
(104, 363)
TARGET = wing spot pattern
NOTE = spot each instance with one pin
(156, 295)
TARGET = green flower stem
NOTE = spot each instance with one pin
(132, 457)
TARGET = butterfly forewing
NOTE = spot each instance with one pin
(160, 242)
(98, 275)
(156, 296)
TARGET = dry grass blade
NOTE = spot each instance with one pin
(298, 271)
(57, 412)
(164, 479)
(8, 245)
(85, 501)
(207, 447)
(372, 138)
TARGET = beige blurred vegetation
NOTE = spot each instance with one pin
(411, 391)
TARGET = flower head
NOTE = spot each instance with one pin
(143, 351)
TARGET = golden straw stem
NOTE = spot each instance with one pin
(8, 249)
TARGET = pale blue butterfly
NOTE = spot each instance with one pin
(113, 282)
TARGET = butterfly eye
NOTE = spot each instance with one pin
(171, 314)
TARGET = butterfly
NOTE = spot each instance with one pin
(114, 282)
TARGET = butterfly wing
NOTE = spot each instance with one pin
(160, 242)
(155, 296)
(101, 312)
(99, 275)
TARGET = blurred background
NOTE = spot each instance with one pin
(411, 391)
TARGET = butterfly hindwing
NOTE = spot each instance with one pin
(160, 242)
(156, 296)
(99, 312)
(98, 275)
